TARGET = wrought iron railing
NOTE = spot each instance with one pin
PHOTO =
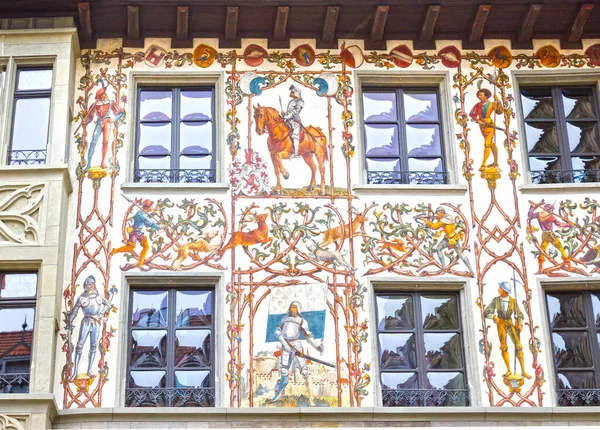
(165, 176)
(14, 383)
(578, 397)
(433, 397)
(562, 176)
(27, 158)
(421, 178)
(169, 397)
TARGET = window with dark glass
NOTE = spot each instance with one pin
(403, 136)
(31, 117)
(421, 357)
(175, 136)
(575, 328)
(17, 313)
(561, 131)
(171, 348)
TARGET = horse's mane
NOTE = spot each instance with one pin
(272, 112)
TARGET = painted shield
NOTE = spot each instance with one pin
(593, 52)
(251, 84)
(254, 55)
(155, 56)
(327, 84)
(548, 56)
(352, 56)
(450, 56)
(204, 55)
(304, 55)
(500, 56)
(402, 56)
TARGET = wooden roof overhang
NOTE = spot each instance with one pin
(327, 22)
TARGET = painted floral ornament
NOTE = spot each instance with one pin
(251, 84)
(548, 56)
(304, 55)
(254, 55)
(352, 56)
(500, 56)
(402, 56)
(327, 84)
(593, 53)
(450, 56)
(204, 55)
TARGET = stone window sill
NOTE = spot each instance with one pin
(206, 188)
(410, 189)
(559, 188)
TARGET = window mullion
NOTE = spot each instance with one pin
(419, 339)
(175, 144)
(561, 130)
(171, 339)
(402, 138)
(592, 333)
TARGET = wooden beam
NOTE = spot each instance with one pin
(429, 23)
(479, 22)
(331, 17)
(379, 23)
(280, 28)
(231, 22)
(183, 19)
(582, 16)
(85, 20)
(133, 22)
(528, 25)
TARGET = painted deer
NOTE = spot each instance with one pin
(247, 238)
(347, 231)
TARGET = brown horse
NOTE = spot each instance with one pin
(280, 145)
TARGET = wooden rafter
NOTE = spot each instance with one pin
(379, 23)
(331, 17)
(183, 19)
(133, 22)
(280, 28)
(231, 22)
(576, 30)
(428, 28)
(85, 20)
(528, 25)
(479, 22)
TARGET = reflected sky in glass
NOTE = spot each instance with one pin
(195, 138)
(192, 378)
(541, 137)
(381, 140)
(155, 105)
(149, 308)
(19, 285)
(34, 80)
(196, 105)
(395, 307)
(420, 106)
(399, 380)
(30, 126)
(12, 319)
(425, 164)
(448, 380)
(383, 165)
(379, 106)
(155, 139)
(147, 379)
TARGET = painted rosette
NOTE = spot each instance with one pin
(450, 56)
(254, 55)
(352, 56)
(500, 56)
(402, 56)
(304, 55)
(593, 53)
(204, 55)
(548, 56)
(327, 84)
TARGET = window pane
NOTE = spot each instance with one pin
(443, 350)
(583, 137)
(545, 170)
(203, 163)
(586, 169)
(160, 163)
(395, 312)
(572, 349)
(566, 310)
(420, 106)
(571, 380)
(439, 312)
(196, 105)
(149, 309)
(194, 308)
(578, 103)
(196, 138)
(192, 379)
(16, 333)
(154, 139)
(596, 308)
(542, 137)
(34, 80)
(425, 165)
(380, 107)
(399, 381)
(155, 105)
(147, 379)
(446, 380)
(398, 351)
(381, 140)
(423, 140)
(383, 165)
(192, 348)
(537, 103)
(30, 126)
(19, 285)
(149, 348)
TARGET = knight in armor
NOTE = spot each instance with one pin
(292, 326)
(292, 117)
(94, 307)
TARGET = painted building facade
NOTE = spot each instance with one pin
(256, 234)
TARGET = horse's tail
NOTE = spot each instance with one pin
(319, 138)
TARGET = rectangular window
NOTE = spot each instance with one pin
(403, 136)
(17, 313)
(175, 136)
(421, 350)
(31, 116)
(575, 328)
(171, 348)
(561, 130)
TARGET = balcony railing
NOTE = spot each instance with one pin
(14, 383)
(421, 178)
(27, 158)
(433, 397)
(578, 397)
(166, 176)
(169, 397)
(564, 176)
